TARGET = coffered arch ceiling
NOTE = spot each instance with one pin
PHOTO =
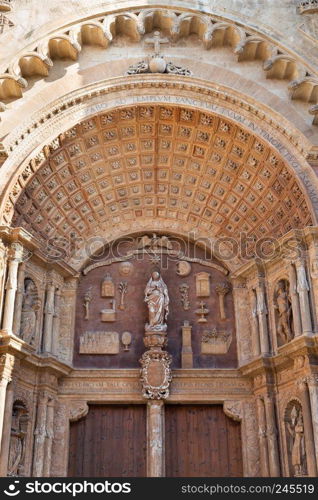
(140, 164)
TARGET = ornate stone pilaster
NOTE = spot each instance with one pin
(251, 451)
(312, 382)
(65, 412)
(155, 439)
(19, 300)
(40, 435)
(48, 318)
(243, 329)
(295, 300)
(256, 346)
(6, 432)
(56, 323)
(272, 442)
(308, 428)
(6, 368)
(14, 258)
(262, 437)
(49, 437)
(262, 318)
(303, 289)
(3, 256)
(67, 310)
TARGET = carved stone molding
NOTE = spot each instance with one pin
(67, 43)
(233, 410)
(307, 7)
(6, 5)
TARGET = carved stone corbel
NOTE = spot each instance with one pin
(78, 410)
(233, 410)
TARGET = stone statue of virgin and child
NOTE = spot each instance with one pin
(157, 299)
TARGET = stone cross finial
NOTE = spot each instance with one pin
(156, 41)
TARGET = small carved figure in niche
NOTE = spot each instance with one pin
(30, 306)
(123, 289)
(87, 300)
(108, 287)
(184, 291)
(202, 311)
(295, 428)
(183, 268)
(126, 340)
(20, 420)
(157, 299)
(284, 312)
(222, 289)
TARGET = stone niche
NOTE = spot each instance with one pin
(128, 266)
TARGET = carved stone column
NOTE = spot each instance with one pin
(19, 300)
(313, 393)
(262, 437)
(48, 319)
(308, 429)
(295, 301)
(49, 437)
(303, 289)
(6, 433)
(15, 256)
(254, 324)
(155, 439)
(40, 435)
(262, 318)
(3, 254)
(56, 323)
(271, 430)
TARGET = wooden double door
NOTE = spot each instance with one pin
(111, 441)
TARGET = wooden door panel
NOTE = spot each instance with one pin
(201, 441)
(109, 442)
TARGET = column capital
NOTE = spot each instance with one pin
(312, 380)
(15, 251)
(7, 362)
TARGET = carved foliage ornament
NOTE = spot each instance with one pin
(156, 374)
(157, 65)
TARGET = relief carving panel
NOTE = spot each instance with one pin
(137, 259)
